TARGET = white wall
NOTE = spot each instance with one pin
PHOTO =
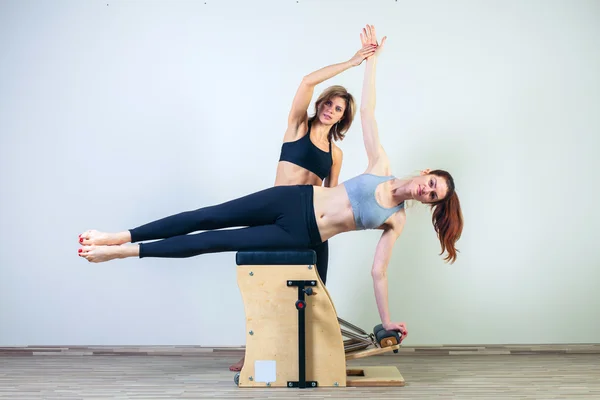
(115, 113)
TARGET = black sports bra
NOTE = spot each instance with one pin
(304, 153)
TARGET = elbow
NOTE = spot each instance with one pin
(378, 274)
(366, 111)
(307, 82)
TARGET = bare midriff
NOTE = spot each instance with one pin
(333, 211)
(291, 174)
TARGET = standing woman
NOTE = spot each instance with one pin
(309, 155)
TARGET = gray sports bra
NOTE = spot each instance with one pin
(368, 213)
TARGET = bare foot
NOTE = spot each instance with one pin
(103, 238)
(238, 365)
(97, 254)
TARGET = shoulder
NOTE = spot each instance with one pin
(336, 152)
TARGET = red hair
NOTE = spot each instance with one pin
(447, 217)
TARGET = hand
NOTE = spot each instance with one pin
(366, 52)
(368, 37)
(397, 326)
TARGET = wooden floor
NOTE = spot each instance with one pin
(532, 376)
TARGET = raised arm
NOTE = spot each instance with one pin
(378, 162)
(304, 94)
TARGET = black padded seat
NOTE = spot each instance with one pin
(276, 257)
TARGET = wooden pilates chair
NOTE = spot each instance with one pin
(294, 337)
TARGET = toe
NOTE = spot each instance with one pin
(85, 250)
(86, 237)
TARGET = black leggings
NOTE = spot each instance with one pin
(322, 251)
(281, 217)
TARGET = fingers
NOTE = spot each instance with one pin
(367, 55)
(369, 35)
(369, 49)
(403, 333)
(403, 330)
(366, 51)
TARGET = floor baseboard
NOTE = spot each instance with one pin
(196, 351)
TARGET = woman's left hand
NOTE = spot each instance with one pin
(364, 53)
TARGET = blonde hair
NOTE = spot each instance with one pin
(338, 131)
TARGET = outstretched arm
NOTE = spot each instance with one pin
(375, 152)
(306, 89)
(383, 254)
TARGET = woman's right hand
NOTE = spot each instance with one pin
(396, 326)
(368, 37)
(365, 52)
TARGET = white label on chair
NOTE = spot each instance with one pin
(264, 371)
